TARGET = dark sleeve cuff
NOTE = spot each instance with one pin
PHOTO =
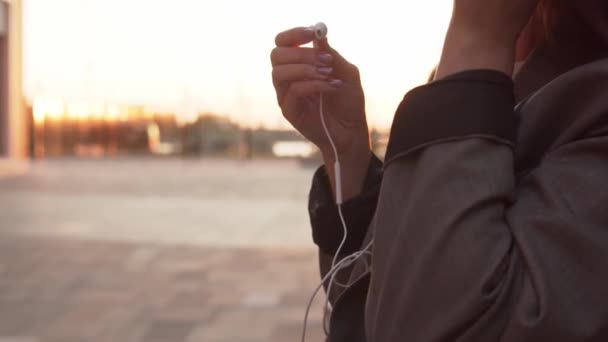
(327, 230)
(470, 103)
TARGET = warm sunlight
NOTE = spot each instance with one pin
(190, 56)
(44, 108)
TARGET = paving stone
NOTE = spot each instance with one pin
(21, 317)
(19, 339)
(101, 298)
(243, 325)
(261, 299)
(140, 259)
(169, 331)
(62, 338)
(293, 332)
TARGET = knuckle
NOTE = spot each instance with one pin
(312, 56)
(311, 71)
(295, 89)
(281, 102)
(275, 74)
(284, 99)
(273, 55)
(354, 70)
(299, 89)
(277, 39)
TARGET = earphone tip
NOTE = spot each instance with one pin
(320, 30)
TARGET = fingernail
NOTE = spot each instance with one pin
(309, 29)
(335, 83)
(325, 58)
(325, 70)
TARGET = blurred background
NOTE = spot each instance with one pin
(150, 189)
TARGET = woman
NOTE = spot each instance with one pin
(489, 215)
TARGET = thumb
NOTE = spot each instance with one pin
(340, 63)
(323, 45)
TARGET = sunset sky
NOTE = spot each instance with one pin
(197, 55)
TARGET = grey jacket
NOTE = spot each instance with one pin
(489, 215)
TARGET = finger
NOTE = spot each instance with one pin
(305, 88)
(342, 67)
(300, 72)
(323, 45)
(294, 37)
(285, 55)
(301, 89)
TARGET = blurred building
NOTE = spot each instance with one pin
(280, 143)
(211, 135)
(14, 124)
(97, 129)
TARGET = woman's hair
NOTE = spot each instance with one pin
(571, 17)
(545, 20)
(546, 16)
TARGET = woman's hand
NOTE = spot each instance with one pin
(483, 35)
(300, 75)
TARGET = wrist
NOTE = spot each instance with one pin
(354, 163)
(465, 51)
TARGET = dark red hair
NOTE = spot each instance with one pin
(554, 17)
(554, 20)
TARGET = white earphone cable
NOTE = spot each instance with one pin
(337, 179)
(346, 262)
(355, 256)
(320, 32)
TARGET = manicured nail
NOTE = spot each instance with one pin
(335, 83)
(325, 70)
(325, 58)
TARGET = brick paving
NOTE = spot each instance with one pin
(59, 290)
(156, 251)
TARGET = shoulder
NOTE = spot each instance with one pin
(572, 107)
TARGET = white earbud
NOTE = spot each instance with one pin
(320, 30)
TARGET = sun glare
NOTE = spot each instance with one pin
(203, 56)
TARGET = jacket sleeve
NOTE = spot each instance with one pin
(462, 252)
(327, 229)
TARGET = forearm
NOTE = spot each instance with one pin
(442, 244)
(464, 51)
(456, 233)
(440, 232)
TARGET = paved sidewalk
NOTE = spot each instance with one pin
(12, 168)
(58, 290)
(146, 250)
(203, 203)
